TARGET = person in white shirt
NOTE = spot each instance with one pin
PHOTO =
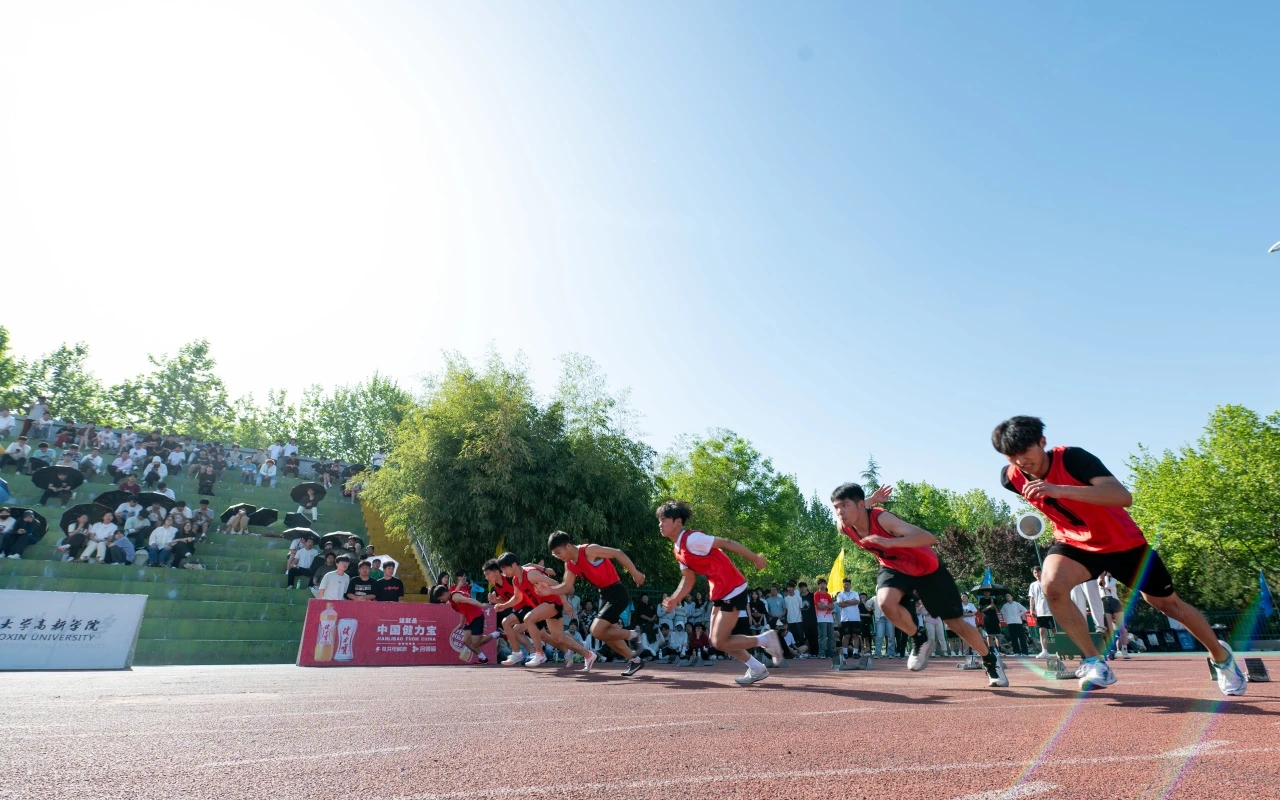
(1111, 614)
(302, 562)
(7, 423)
(155, 472)
(128, 437)
(273, 450)
(969, 611)
(159, 544)
(267, 472)
(176, 459)
(122, 466)
(650, 645)
(882, 631)
(129, 508)
(91, 464)
(1014, 615)
(792, 603)
(107, 437)
(333, 586)
(1040, 607)
(138, 453)
(677, 645)
(181, 508)
(164, 489)
(376, 460)
(99, 535)
(850, 620)
(290, 449)
(16, 454)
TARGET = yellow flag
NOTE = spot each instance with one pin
(836, 579)
(502, 546)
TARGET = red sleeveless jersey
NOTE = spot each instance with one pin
(530, 597)
(468, 611)
(599, 574)
(914, 561)
(720, 572)
(503, 591)
(1098, 529)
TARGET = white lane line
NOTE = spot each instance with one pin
(182, 699)
(1013, 792)
(1205, 749)
(650, 725)
(301, 757)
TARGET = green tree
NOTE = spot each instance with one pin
(63, 376)
(1213, 509)
(12, 392)
(352, 422)
(871, 475)
(183, 394)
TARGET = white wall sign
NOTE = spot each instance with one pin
(68, 630)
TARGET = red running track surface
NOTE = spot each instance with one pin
(493, 732)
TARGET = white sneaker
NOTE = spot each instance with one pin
(772, 645)
(919, 658)
(588, 661)
(1230, 679)
(995, 674)
(1043, 654)
(513, 659)
(536, 660)
(1095, 675)
(16, 557)
(752, 677)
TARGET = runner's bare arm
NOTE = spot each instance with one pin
(595, 551)
(466, 600)
(1104, 490)
(904, 534)
(730, 546)
(563, 587)
(687, 579)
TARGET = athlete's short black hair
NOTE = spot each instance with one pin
(490, 566)
(439, 594)
(507, 559)
(848, 491)
(676, 509)
(1016, 435)
(558, 539)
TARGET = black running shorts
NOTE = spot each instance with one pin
(736, 603)
(937, 590)
(613, 601)
(1139, 568)
(476, 626)
(850, 629)
(1111, 605)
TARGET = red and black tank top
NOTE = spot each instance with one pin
(1098, 529)
(599, 574)
(721, 574)
(914, 561)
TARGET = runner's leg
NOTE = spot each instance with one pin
(1059, 576)
(613, 635)
(890, 600)
(1175, 607)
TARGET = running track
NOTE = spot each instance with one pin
(493, 732)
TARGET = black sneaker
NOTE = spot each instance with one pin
(633, 667)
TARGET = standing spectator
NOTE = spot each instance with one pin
(91, 464)
(120, 550)
(273, 450)
(377, 459)
(850, 620)
(7, 423)
(935, 629)
(334, 585)
(362, 587)
(823, 606)
(290, 449)
(35, 414)
(73, 544)
(1014, 616)
(160, 544)
(99, 534)
(990, 621)
(390, 589)
(267, 472)
(972, 617)
(883, 631)
(774, 605)
(23, 533)
(1044, 617)
(866, 621)
(16, 454)
(794, 606)
(302, 563)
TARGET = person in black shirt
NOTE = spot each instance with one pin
(644, 616)
(362, 587)
(808, 619)
(390, 588)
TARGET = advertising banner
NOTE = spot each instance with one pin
(68, 630)
(351, 633)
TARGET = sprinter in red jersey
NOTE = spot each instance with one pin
(1093, 533)
(503, 597)
(909, 564)
(595, 564)
(542, 614)
(701, 554)
(472, 612)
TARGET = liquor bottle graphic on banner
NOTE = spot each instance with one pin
(326, 634)
(346, 639)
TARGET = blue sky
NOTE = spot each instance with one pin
(837, 229)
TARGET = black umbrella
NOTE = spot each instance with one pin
(296, 520)
(299, 493)
(57, 476)
(41, 525)
(148, 499)
(114, 498)
(94, 511)
(233, 510)
(302, 533)
(339, 538)
(264, 516)
(991, 588)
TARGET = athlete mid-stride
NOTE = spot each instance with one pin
(701, 554)
(472, 623)
(542, 614)
(595, 563)
(1093, 534)
(503, 596)
(908, 563)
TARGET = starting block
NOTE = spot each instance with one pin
(971, 661)
(841, 664)
(1056, 670)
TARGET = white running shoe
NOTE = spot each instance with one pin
(772, 645)
(919, 657)
(752, 677)
(536, 660)
(513, 659)
(1095, 675)
(1043, 654)
(1230, 679)
(995, 674)
(588, 661)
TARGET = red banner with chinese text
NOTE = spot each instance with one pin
(350, 633)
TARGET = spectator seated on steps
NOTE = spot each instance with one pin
(22, 534)
(100, 533)
(119, 550)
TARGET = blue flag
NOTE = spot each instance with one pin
(1265, 607)
(986, 578)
